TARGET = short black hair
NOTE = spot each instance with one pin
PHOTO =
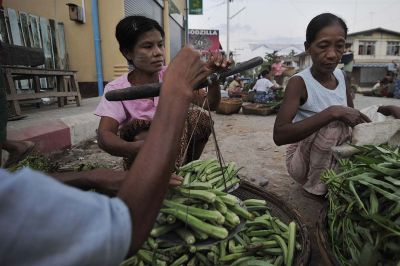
(264, 72)
(130, 28)
(321, 21)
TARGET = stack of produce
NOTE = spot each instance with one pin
(210, 172)
(364, 207)
(37, 162)
(197, 213)
(265, 240)
(206, 212)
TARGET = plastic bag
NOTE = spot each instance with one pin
(382, 129)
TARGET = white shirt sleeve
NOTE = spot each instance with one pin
(43, 222)
(263, 84)
(258, 85)
(269, 84)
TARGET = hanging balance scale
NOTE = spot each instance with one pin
(153, 90)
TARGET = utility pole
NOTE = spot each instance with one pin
(228, 18)
(167, 37)
(227, 27)
(187, 22)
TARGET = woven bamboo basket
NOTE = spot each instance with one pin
(284, 212)
(258, 109)
(229, 106)
(324, 245)
(279, 209)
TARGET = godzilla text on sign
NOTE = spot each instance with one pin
(204, 40)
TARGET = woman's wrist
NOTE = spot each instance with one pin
(334, 113)
(134, 147)
(178, 91)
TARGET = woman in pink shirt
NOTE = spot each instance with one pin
(277, 70)
(141, 41)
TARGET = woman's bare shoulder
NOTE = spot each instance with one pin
(296, 83)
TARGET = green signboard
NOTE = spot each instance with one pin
(196, 7)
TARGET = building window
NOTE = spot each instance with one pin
(366, 48)
(393, 48)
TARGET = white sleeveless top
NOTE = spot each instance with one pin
(319, 97)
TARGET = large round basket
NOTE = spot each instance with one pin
(284, 212)
(324, 245)
(229, 106)
(258, 109)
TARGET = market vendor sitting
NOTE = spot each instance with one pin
(317, 110)
(264, 89)
(124, 125)
(384, 87)
(235, 87)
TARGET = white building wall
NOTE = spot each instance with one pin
(380, 55)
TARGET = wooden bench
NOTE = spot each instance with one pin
(66, 85)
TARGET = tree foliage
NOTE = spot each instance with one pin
(292, 53)
(270, 57)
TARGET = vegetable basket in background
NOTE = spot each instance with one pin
(260, 109)
(229, 106)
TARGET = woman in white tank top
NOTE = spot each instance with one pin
(317, 110)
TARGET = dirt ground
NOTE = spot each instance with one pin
(246, 140)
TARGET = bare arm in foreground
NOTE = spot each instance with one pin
(146, 184)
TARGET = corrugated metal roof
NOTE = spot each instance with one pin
(374, 30)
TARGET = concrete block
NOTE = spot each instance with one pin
(82, 127)
(49, 136)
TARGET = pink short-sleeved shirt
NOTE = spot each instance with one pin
(125, 111)
(277, 69)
